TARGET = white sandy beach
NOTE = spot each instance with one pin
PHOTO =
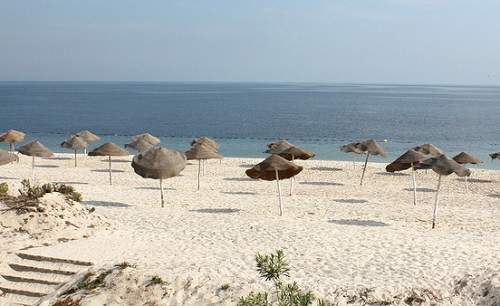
(345, 242)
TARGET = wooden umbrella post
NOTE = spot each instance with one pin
(292, 179)
(279, 192)
(33, 169)
(414, 185)
(354, 162)
(364, 169)
(438, 193)
(110, 182)
(162, 194)
(199, 172)
(75, 159)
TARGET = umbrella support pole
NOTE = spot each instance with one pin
(162, 194)
(438, 193)
(110, 182)
(364, 168)
(292, 179)
(466, 185)
(414, 185)
(199, 172)
(33, 170)
(85, 152)
(279, 192)
(354, 162)
(75, 159)
(12, 148)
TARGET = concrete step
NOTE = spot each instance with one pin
(53, 259)
(24, 279)
(32, 268)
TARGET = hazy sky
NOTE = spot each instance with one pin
(351, 41)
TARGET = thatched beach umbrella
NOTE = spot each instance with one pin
(429, 149)
(109, 149)
(293, 153)
(147, 138)
(12, 136)
(35, 149)
(88, 137)
(202, 152)
(75, 143)
(138, 145)
(442, 165)
(278, 147)
(206, 141)
(7, 158)
(370, 147)
(159, 163)
(352, 147)
(495, 156)
(274, 168)
(466, 158)
(405, 161)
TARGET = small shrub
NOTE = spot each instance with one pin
(4, 189)
(68, 302)
(224, 287)
(93, 284)
(123, 265)
(156, 280)
(273, 267)
(35, 192)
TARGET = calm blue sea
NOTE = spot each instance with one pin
(244, 117)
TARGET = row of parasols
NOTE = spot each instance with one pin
(161, 163)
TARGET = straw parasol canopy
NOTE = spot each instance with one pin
(428, 148)
(12, 136)
(352, 147)
(159, 163)
(405, 161)
(7, 158)
(370, 147)
(109, 149)
(278, 147)
(466, 158)
(294, 152)
(274, 168)
(205, 141)
(87, 136)
(202, 152)
(147, 138)
(138, 145)
(75, 143)
(35, 149)
(495, 155)
(442, 165)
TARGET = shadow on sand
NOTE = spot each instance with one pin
(105, 204)
(350, 201)
(216, 210)
(359, 222)
(321, 183)
(239, 192)
(325, 169)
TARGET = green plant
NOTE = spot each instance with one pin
(123, 265)
(224, 287)
(273, 267)
(35, 192)
(88, 284)
(4, 189)
(68, 302)
(155, 279)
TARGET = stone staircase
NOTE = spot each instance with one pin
(33, 277)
